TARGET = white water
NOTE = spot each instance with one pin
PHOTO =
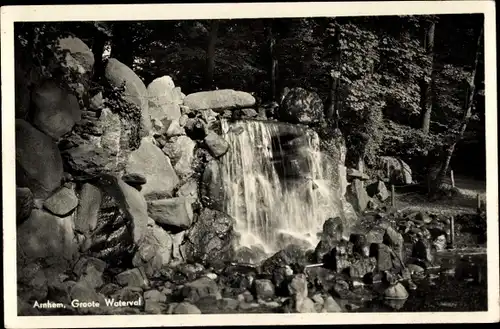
(272, 211)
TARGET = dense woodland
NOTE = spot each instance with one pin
(405, 86)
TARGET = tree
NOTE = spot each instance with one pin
(212, 40)
(273, 61)
(467, 112)
(427, 80)
(333, 103)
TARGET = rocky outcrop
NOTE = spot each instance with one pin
(135, 92)
(154, 252)
(149, 161)
(181, 152)
(24, 203)
(62, 202)
(217, 145)
(75, 55)
(56, 110)
(212, 187)
(47, 236)
(397, 171)
(164, 99)
(219, 100)
(34, 148)
(176, 212)
(88, 208)
(301, 106)
(210, 240)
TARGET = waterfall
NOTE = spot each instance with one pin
(278, 185)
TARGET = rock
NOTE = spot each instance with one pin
(163, 100)
(423, 217)
(399, 171)
(212, 186)
(92, 276)
(422, 250)
(395, 240)
(96, 102)
(378, 190)
(129, 294)
(219, 100)
(134, 179)
(217, 145)
(35, 287)
(155, 251)
(301, 106)
(292, 254)
(361, 267)
(385, 257)
(24, 203)
(229, 304)
(155, 296)
(396, 291)
(44, 235)
(186, 308)
(177, 241)
(318, 299)
(136, 207)
(110, 125)
(109, 289)
(440, 243)
(85, 262)
(39, 164)
(132, 278)
(356, 174)
(211, 237)
(60, 291)
(331, 306)
(305, 305)
(150, 162)
(188, 190)
(415, 269)
(331, 235)
(201, 288)
(174, 128)
(264, 289)
(88, 208)
(56, 111)
(195, 128)
(175, 212)
(180, 150)
(153, 307)
(135, 92)
(62, 202)
(77, 55)
(298, 286)
(357, 195)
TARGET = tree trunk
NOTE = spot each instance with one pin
(471, 88)
(209, 77)
(333, 106)
(273, 62)
(121, 44)
(426, 82)
(98, 50)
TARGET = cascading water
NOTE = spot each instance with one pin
(277, 184)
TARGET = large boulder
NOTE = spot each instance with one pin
(201, 288)
(88, 208)
(55, 110)
(62, 202)
(175, 212)
(155, 251)
(149, 161)
(38, 161)
(44, 235)
(357, 195)
(121, 224)
(180, 151)
(301, 106)
(101, 143)
(135, 92)
(398, 171)
(210, 240)
(164, 99)
(76, 55)
(219, 100)
(217, 145)
(212, 186)
(378, 190)
(24, 203)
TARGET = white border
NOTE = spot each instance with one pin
(205, 11)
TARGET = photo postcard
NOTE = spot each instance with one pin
(249, 164)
